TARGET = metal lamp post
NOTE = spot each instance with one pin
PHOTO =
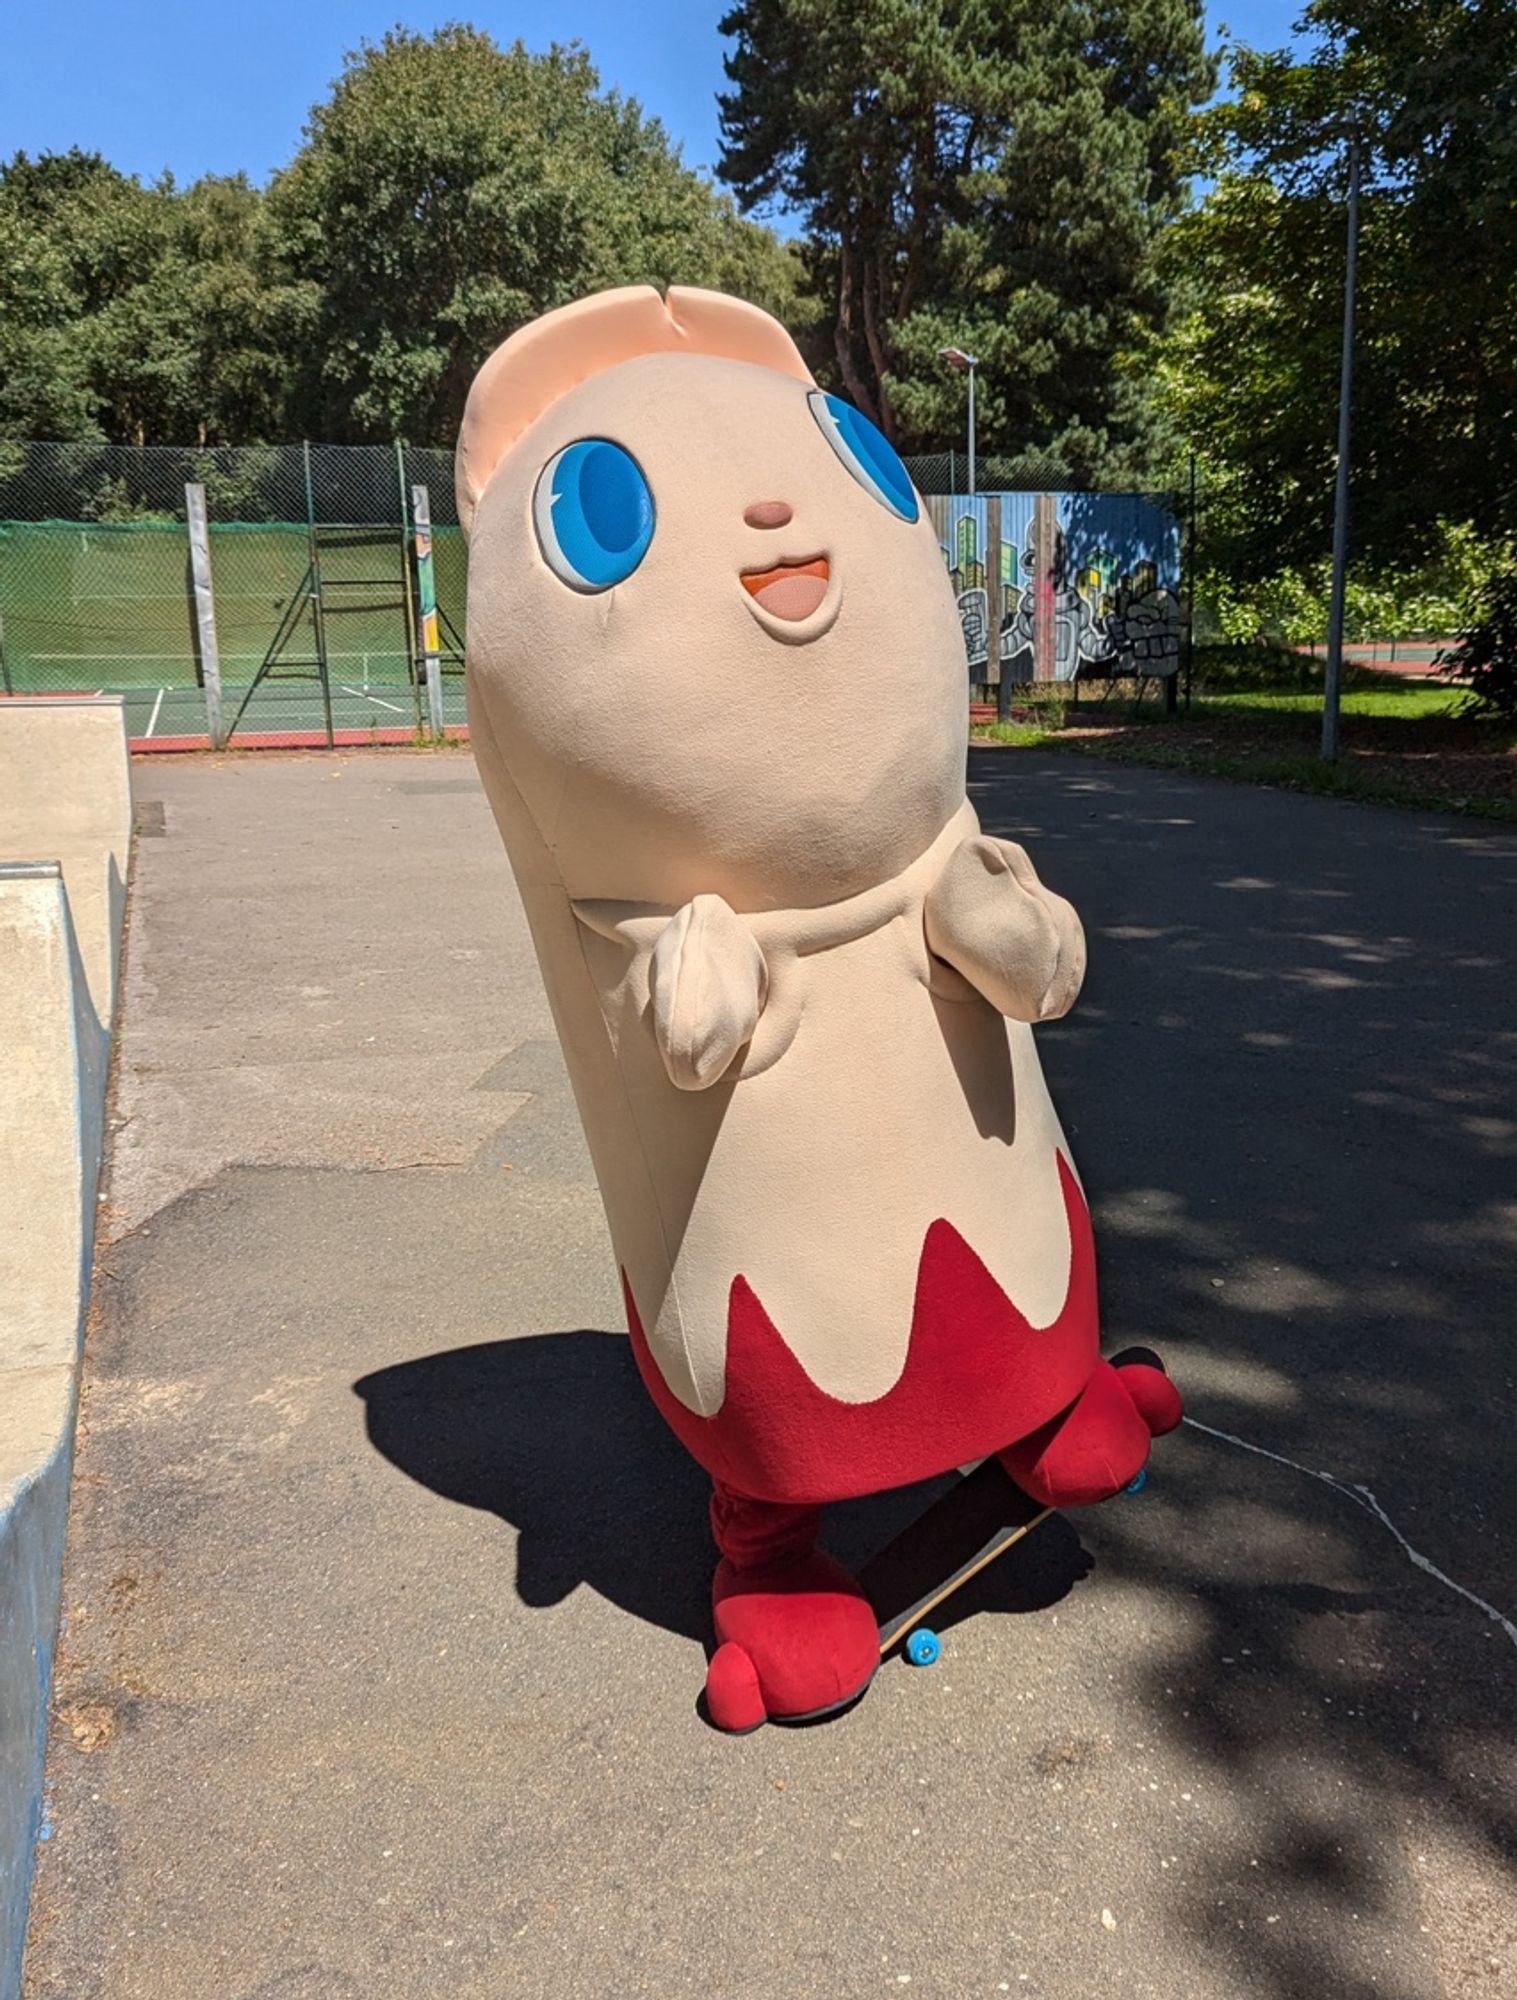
(957, 358)
(1333, 671)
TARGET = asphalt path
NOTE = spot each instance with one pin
(386, 1591)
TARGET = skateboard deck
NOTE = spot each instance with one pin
(977, 1519)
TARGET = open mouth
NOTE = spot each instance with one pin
(791, 591)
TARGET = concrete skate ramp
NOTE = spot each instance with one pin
(65, 808)
(65, 796)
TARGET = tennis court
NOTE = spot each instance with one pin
(316, 626)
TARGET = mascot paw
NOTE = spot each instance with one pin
(794, 1642)
(707, 984)
(1101, 1441)
(992, 920)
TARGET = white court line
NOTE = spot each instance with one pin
(152, 721)
(1362, 1497)
(372, 697)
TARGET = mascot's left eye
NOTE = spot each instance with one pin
(867, 453)
(593, 513)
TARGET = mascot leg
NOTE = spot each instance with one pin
(796, 1635)
(1101, 1441)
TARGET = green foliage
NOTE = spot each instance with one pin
(447, 191)
(1250, 377)
(1486, 653)
(129, 313)
(1236, 666)
(991, 174)
(1020, 735)
(1291, 605)
(116, 505)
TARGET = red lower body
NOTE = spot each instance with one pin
(795, 1634)
(977, 1373)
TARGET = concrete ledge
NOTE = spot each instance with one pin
(64, 793)
(66, 796)
(37, 1409)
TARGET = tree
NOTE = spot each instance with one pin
(129, 313)
(74, 236)
(1252, 374)
(449, 191)
(985, 173)
(1485, 657)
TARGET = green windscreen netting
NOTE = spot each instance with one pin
(88, 606)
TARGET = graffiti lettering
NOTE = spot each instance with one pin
(1116, 607)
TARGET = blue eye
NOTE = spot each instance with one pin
(593, 513)
(867, 453)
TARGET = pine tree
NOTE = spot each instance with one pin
(990, 174)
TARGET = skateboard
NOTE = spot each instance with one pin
(978, 1519)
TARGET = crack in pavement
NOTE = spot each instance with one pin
(1363, 1497)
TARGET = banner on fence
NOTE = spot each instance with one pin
(1073, 581)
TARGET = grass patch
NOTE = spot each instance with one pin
(1403, 699)
(1378, 783)
(1024, 735)
(1404, 741)
(1277, 670)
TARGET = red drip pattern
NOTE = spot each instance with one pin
(978, 1376)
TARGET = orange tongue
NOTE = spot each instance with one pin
(756, 580)
(789, 590)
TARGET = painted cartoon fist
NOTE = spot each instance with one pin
(1017, 944)
(707, 984)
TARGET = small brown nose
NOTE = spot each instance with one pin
(769, 514)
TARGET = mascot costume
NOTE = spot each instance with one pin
(717, 696)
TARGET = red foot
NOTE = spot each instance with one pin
(1101, 1441)
(734, 1699)
(794, 1640)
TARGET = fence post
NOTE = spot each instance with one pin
(413, 648)
(205, 612)
(318, 604)
(426, 596)
(1044, 608)
(995, 607)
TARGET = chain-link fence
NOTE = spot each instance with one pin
(315, 557)
(944, 472)
(312, 621)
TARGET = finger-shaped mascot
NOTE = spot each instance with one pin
(717, 696)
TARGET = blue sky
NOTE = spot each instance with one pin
(213, 87)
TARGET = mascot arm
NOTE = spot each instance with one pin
(991, 919)
(707, 983)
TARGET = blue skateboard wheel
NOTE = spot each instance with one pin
(923, 1647)
(1137, 1485)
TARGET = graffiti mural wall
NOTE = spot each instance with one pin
(1087, 582)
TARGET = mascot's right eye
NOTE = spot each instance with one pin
(593, 512)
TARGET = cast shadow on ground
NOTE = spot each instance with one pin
(1291, 1087)
(555, 1434)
